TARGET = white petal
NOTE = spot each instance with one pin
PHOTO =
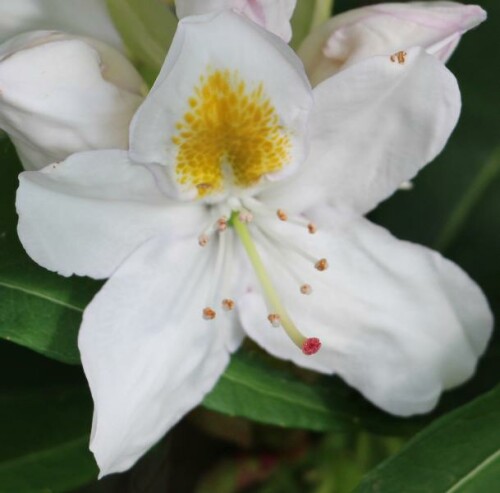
(60, 94)
(273, 15)
(397, 321)
(374, 126)
(384, 29)
(83, 17)
(147, 353)
(240, 50)
(86, 215)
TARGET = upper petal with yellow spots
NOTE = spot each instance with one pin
(231, 134)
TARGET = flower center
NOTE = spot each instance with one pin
(230, 136)
(240, 217)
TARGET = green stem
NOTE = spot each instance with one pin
(322, 11)
(267, 286)
(470, 199)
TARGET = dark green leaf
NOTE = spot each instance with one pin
(459, 453)
(254, 389)
(38, 309)
(44, 445)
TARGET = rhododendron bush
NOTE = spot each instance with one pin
(249, 246)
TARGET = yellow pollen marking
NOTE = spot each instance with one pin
(229, 131)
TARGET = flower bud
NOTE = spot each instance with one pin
(61, 94)
(79, 17)
(385, 29)
(273, 15)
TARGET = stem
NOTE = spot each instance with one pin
(265, 281)
(322, 11)
(463, 209)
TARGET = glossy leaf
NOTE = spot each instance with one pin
(44, 445)
(459, 453)
(38, 309)
(254, 389)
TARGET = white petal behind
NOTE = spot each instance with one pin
(61, 94)
(84, 17)
(397, 321)
(221, 41)
(374, 126)
(273, 15)
(87, 214)
(384, 29)
(147, 353)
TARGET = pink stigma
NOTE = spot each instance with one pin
(311, 346)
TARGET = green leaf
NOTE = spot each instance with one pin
(45, 435)
(147, 28)
(459, 453)
(38, 309)
(254, 389)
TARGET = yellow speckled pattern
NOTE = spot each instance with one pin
(231, 132)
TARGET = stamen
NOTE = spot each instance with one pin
(227, 304)
(217, 276)
(312, 228)
(321, 265)
(279, 256)
(269, 290)
(274, 319)
(306, 289)
(222, 224)
(227, 271)
(203, 240)
(400, 57)
(208, 313)
(282, 215)
(246, 217)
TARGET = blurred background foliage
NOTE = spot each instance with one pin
(268, 427)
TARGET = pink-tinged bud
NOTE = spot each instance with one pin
(311, 346)
(385, 29)
(272, 15)
(61, 94)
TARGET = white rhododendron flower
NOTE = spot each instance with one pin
(384, 29)
(83, 17)
(273, 15)
(239, 210)
(85, 95)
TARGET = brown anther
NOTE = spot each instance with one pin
(222, 224)
(246, 217)
(203, 187)
(399, 57)
(227, 304)
(274, 319)
(321, 264)
(312, 228)
(306, 289)
(282, 215)
(203, 240)
(208, 313)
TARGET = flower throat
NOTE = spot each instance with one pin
(239, 221)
